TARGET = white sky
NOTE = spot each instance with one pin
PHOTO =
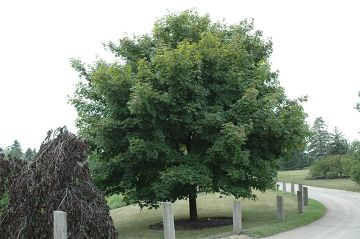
(316, 50)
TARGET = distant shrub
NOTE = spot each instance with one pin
(355, 171)
(115, 201)
(334, 166)
(347, 164)
(355, 166)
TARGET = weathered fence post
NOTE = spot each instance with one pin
(280, 208)
(168, 221)
(60, 225)
(292, 189)
(300, 201)
(284, 186)
(306, 195)
(237, 222)
(300, 187)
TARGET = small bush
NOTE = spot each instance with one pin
(115, 201)
(347, 164)
(331, 167)
(355, 164)
(355, 171)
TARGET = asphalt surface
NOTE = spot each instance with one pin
(342, 220)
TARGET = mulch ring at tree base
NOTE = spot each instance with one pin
(201, 223)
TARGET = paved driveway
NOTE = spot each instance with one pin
(342, 220)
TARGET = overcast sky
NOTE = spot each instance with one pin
(316, 50)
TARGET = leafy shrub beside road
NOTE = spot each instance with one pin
(355, 164)
(335, 166)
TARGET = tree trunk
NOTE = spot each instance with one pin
(192, 207)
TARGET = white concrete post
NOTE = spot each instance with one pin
(284, 186)
(60, 225)
(306, 195)
(300, 201)
(292, 189)
(168, 221)
(280, 208)
(237, 222)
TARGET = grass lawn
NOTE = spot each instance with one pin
(300, 176)
(259, 216)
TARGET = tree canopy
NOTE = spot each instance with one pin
(193, 104)
(338, 144)
(30, 154)
(319, 140)
(14, 151)
(297, 159)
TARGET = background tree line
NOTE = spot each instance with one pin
(15, 151)
(328, 154)
(320, 144)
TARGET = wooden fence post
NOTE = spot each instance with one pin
(168, 221)
(237, 221)
(60, 225)
(284, 186)
(300, 200)
(306, 195)
(280, 208)
(292, 189)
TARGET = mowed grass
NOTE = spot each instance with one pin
(301, 176)
(259, 216)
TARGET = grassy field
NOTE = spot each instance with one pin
(300, 176)
(259, 216)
